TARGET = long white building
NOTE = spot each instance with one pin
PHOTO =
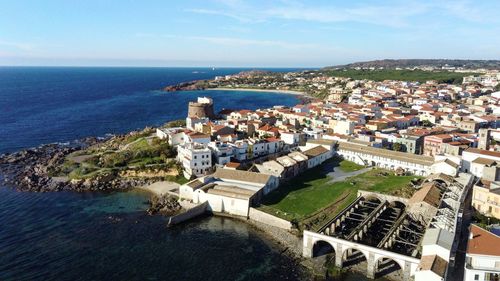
(387, 159)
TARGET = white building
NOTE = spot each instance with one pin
(313, 133)
(221, 151)
(291, 138)
(316, 156)
(240, 150)
(174, 136)
(179, 136)
(343, 127)
(192, 122)
(387, 159)
(471, 154)
(196, 159)
(229, 191)
(482, 259)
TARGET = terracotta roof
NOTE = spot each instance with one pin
(433, 263)
(429, 193)
(315, 151)
(483, 242)
(484, 161)
(484, 152)
(197, 135)
(233, 165)
(242, 176)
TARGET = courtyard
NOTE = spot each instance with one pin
(322, 192)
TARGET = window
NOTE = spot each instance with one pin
(476, 276)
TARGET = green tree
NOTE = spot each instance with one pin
(397, 146)
(427, 123)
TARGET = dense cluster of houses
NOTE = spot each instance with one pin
(409, 128)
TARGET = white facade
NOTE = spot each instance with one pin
(228, 191)
(240, 150)
(384, 159)
(222, 152)
(471, 154)
(195, 159)
(192, 122)
(315, 161)
(343, 127)
(445, 167)
(313, 133)
(482, 259)
(174, 136)
(480, 268)
(290, 138)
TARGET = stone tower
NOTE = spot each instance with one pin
(484, 139)
(203, 107)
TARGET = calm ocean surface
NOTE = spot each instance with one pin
(108, 236)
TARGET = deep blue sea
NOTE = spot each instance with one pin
(108, 236)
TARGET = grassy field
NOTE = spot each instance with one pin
(139, 151)
(348, 166)
(313, 192)
(403, 75)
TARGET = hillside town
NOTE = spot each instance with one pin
(439, 141)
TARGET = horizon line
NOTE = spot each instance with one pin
(152, 66)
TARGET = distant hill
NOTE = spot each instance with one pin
(404, 63)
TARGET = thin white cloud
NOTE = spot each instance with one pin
(17, 45)
(395, 15)
(251, 42)
(241, 18)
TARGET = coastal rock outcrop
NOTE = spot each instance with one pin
(32, 170)
(164, 204)
(186, 86)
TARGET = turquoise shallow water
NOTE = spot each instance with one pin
(97, 236)
(108, 236)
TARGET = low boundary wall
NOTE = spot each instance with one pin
(266, 218)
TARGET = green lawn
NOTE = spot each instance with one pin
(311, 192)
(348, 166)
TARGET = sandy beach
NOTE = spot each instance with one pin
(288, 92)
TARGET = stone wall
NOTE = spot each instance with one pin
(266, 218)
(189, 214)
(386, 197)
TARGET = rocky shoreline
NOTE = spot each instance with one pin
(185, 86)
(30, 170)
(163, 204)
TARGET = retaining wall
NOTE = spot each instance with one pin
(266, 218)
(189, 214)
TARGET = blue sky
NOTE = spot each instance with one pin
(284, 33)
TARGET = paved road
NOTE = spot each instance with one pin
(338, 175)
